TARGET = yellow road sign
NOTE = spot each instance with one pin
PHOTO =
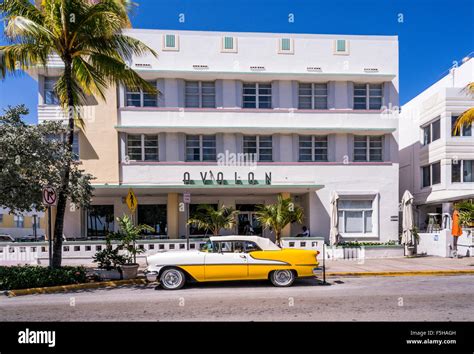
(131, 200)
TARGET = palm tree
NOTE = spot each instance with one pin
(87, 36)
(276, 216)
(213, 220)
(467, 117)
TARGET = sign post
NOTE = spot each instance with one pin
(187, 201)
(50, 198)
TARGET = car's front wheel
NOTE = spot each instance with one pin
(172, 279)
(282, 277)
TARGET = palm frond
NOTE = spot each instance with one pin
(464, 120)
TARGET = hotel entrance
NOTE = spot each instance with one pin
(247, 223)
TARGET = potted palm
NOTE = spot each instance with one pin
(276, 216)
(109, 259)
(466, 213)
(128, 235)
(213, 220)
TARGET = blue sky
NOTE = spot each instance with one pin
(432, 35)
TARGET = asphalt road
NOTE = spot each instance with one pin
(435, 298)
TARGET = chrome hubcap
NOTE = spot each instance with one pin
(172, 279)
(283, 277)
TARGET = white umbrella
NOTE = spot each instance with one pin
(334, 232)
(407, 218)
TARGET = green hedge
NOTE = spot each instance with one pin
(24, 277)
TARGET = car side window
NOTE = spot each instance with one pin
(251, 246)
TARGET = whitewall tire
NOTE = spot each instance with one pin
(172, 279)
(282, 277)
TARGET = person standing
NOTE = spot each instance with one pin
(456, 231)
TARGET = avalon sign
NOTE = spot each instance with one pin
(209, 178)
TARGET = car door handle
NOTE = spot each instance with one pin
(243, 256)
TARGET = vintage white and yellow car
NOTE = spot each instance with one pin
(225, 258)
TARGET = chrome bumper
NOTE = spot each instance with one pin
(318, 272)
(151, 276)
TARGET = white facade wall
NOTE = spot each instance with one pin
(370, 59)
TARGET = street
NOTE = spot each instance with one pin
(416, 298)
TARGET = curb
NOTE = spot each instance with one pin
(72, 287)
(402, 273)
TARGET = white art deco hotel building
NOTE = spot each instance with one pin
(309, 108)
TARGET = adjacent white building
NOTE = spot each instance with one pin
(242, 118)
(436, 165)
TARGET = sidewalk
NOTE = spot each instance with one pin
(400, 266)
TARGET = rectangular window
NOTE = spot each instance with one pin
(431, 174)
(368, 96)
(50, 96)
(285, 46)
(38, 222)
(431, 132)
(312, 96)
(142, 147)
(1, 218)
(229, 44)
(100, 220)
(153, 215)
(368, 148)
(19, 221)
(260, 147)
(467, 168)
(200, 94)
(465, 131)
(170, 42)
(436, 173)
(257, 95)
(426, 172)
(139, 98)
(200, 148)
(355, 216)
(341, 46)
(313, 148)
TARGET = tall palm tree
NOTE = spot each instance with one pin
(87, 36)
(467, 117)
(213, 220)
(277, 216)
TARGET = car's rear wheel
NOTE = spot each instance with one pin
(282, 277)
(172, 279)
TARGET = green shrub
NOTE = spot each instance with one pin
(24, 277)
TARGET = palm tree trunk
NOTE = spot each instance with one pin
(277, 237)
(62, 198)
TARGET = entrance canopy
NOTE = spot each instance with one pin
(111, 190)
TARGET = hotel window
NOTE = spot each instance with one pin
(1, 218)
(140, 98)
(368, 148)
(19, 221)
(142, 147)
(75, 147)
(368, 96)
(229, 44)
(312, 96)
(170, 42)
(260, 147)
(431, 132)
(313, 148)
(465, 131)
(50, 96)
(341, 46)
(467, 168)
(285, 46)
(100, 220)
(155, 216)
(200, 94)
(257, 95)
(355, 216)
(431, 174)
(200, 148)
